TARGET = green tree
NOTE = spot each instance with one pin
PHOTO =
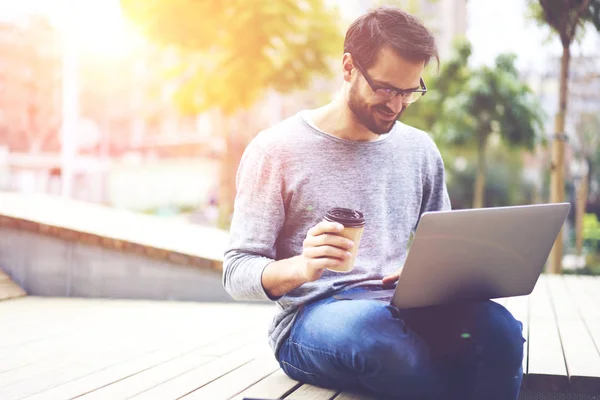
(491, 100)
(566, 18)
(448, 82)
(237, 50)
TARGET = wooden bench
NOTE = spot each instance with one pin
(61, 348)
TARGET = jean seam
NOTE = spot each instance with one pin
(315, 350)
(298, 369)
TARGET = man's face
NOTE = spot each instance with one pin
(389, 70)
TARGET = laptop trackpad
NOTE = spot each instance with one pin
(384, 295)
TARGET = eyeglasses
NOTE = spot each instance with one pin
(386, 93)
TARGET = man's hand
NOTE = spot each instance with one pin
(323, 248)
(390, 279)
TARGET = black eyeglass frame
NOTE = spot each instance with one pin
(375, 87)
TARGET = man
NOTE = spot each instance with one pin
(353, 153)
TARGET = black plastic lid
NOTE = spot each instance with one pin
(345, 216)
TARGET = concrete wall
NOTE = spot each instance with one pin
(49, 266)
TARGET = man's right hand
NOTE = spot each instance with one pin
(323, 248)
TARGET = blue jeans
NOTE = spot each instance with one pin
(470, 350)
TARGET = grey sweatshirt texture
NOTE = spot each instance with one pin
(292, 173)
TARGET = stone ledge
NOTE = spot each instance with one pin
(97, 225)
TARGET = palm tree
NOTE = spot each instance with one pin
(492, 100)
(564, 17)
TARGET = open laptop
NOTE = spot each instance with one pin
(474, 254)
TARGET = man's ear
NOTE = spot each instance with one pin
(347, 67)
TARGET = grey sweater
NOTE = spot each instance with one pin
(292, 173)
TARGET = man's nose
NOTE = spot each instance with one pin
(395, 104)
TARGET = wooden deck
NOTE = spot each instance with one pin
(63, 348)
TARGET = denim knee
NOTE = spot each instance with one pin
(500, 335)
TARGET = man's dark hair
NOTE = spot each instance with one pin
(389, 26)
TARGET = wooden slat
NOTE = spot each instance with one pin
(546, 364)
(99, 317)
(148, 379)
(198, 377)
(62, 375)
(353, 396)
(519, 308)
(586, 291)
(103, 358)
(310, 392)
(100, 353)
(236, 381)
(105, 376)
(127, 369)
(106, 345)
(581, 353)
(275, 386)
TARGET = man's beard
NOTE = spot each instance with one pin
(365, 113)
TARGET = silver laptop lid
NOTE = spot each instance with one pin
(478, 253)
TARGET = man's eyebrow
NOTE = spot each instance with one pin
(388, 86)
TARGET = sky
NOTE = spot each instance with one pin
(496, 26)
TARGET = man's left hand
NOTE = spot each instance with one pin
(391, 279)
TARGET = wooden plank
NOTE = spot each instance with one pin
(586, 292)
(105, 319)
(275, 386)
(102, 359)
(354, 396)
(150, 378)
(105, 376)
(591, 285)
(85, 350)
(198, 377)
(62, 348)
(519, 308)
(581, 354)
(237, 380)
(310, 392)
(121, 371)
(546, 364)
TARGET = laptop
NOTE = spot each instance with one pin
(474, 254)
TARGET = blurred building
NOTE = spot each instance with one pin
(583, 99)
(30, 85)
(584, 89)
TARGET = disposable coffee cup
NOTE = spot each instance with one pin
(354, 222)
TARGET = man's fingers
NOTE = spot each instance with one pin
(390, 278)
(325, 263)
(327, 252)
(327, 239)
(325, 227)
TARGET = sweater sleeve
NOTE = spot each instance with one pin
(257, 220)
(435, 192)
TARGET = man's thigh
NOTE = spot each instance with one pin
(355, 344)
(455, 330)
